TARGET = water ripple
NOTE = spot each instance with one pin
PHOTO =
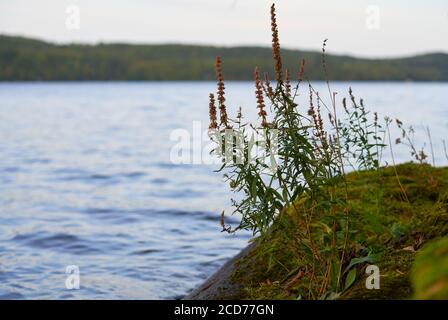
(61, 242)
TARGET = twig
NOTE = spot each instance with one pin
(393, 162)
(428, 132)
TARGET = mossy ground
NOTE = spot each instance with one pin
(390, 226)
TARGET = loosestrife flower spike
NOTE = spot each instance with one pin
(221, 93)
(260, 99)
(212, 112)
(287, 84)
(276, 47)
(269, 89)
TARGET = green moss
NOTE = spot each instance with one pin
(389, 230)
(394, 281)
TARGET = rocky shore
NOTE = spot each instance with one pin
(413, 246)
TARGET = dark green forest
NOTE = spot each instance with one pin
(30, 59)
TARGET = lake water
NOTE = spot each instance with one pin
(86, 179)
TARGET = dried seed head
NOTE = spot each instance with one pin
(344, 104)
(239, 115)
(222, 219)
(352, 97)
(260, 99)
(330, 117)
(421, 156)
(276, 47)
(212, 112)
(320, 124)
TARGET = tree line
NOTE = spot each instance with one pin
(24, 59)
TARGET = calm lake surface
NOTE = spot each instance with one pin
(86, 179)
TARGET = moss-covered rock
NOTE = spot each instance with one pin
(430, 271)
(391, 217)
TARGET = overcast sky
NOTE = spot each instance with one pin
(367, 28)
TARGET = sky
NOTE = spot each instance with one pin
(363, 28)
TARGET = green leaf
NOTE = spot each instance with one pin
(269, 262)
(356, 261)
(253, 188)
(285, 194)
(275, 192)
(350, 279)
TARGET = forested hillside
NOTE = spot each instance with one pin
(29, 59)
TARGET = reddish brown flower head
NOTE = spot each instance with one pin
(221, 93)
(315, 115)
(302, 70)
(287, 84)
(269, 89)
(212, 112)
(260, 99)
(311, 111)
(276, 47)
(320, 122)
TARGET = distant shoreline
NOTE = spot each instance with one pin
(25, 59)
